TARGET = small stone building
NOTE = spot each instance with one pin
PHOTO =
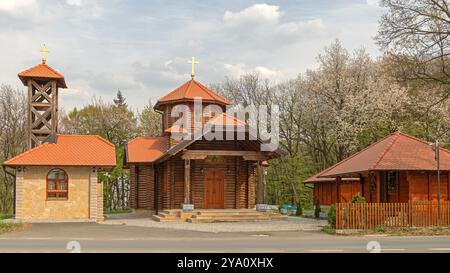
(58, 180)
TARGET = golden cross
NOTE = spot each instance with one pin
(193, 62)
(44, 52)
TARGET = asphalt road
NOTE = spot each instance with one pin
(90, 237)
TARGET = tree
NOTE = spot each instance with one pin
(13, 133)
(415, 38)
(119, 101)
(150, 122)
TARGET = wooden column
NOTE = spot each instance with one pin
(338, 189)
(378, 193)
(260, 185)
(187, 181)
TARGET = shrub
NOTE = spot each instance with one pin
(380, 229)
(332, 216)
(317, 209)
(358, 198)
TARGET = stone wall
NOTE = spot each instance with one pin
(31, 197)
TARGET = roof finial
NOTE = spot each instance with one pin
(44, 52)
(193, 62)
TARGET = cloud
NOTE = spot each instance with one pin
(256, 14)
(18, 7)
(237, 70)
(260, 26)
(73, 2)
(373, 2)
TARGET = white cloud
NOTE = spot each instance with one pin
(258, 13)
(18, 7)
(373, 2)
(260, 26)
(74, 2)
(237, 70)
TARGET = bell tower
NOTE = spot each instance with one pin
(43, 83)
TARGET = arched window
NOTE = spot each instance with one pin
(57, 185)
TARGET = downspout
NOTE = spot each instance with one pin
(155, 190)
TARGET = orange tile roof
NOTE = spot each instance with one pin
(146, 149)
(42, 71)
(397, 151)
(69, 150)
(176, 129)
(188, 92)
(226, 120)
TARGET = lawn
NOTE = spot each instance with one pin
(118, 211)
(5, 216)
(8, 227)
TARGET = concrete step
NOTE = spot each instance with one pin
(229, 219)
(159, 218)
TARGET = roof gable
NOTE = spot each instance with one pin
(189, 91)
(42, 71)
(69, 150)
(397, 151)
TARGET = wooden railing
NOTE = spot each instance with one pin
(373, 215)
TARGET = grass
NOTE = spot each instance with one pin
(329, 229)
(8, 227)
(118, 211)
(6, 216)
(401, 231)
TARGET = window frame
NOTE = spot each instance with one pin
(57, 182)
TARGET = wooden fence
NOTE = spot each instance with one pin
(372, 215)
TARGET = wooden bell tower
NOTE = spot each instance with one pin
(43, 83)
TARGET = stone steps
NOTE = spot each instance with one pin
(211, 216)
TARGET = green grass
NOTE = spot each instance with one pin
(8, 227)
(118, 211)
(5, 216)
(380, 229)
(329, 229)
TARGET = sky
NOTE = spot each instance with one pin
(142, 47)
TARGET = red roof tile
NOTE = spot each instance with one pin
(397, 151)
(146, 149)
(42, 71)
(188, 92)
(226, 120)
(69, 150)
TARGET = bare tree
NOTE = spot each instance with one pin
(13, 107)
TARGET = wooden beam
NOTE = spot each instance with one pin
(187, 181)
(338, 189)
(247, 155)
(260, 185)
(378, 193)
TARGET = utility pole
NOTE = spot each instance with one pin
(437, 157)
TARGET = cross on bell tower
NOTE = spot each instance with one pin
(43, 83)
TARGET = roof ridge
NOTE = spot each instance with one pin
(396, 136)
(357, 153)
(104, 140)
(422, 141)
(212, 93)
(26, 152)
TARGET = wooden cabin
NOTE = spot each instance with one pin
(397, 168)
(168, 173)
(324, 189)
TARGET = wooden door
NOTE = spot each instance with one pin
(214, 188)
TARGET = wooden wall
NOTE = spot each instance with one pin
(142, 187)
(423, 186)
(325, 193)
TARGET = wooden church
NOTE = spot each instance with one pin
(196, 173)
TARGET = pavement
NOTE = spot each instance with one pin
(292, 224)
(92, 237)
